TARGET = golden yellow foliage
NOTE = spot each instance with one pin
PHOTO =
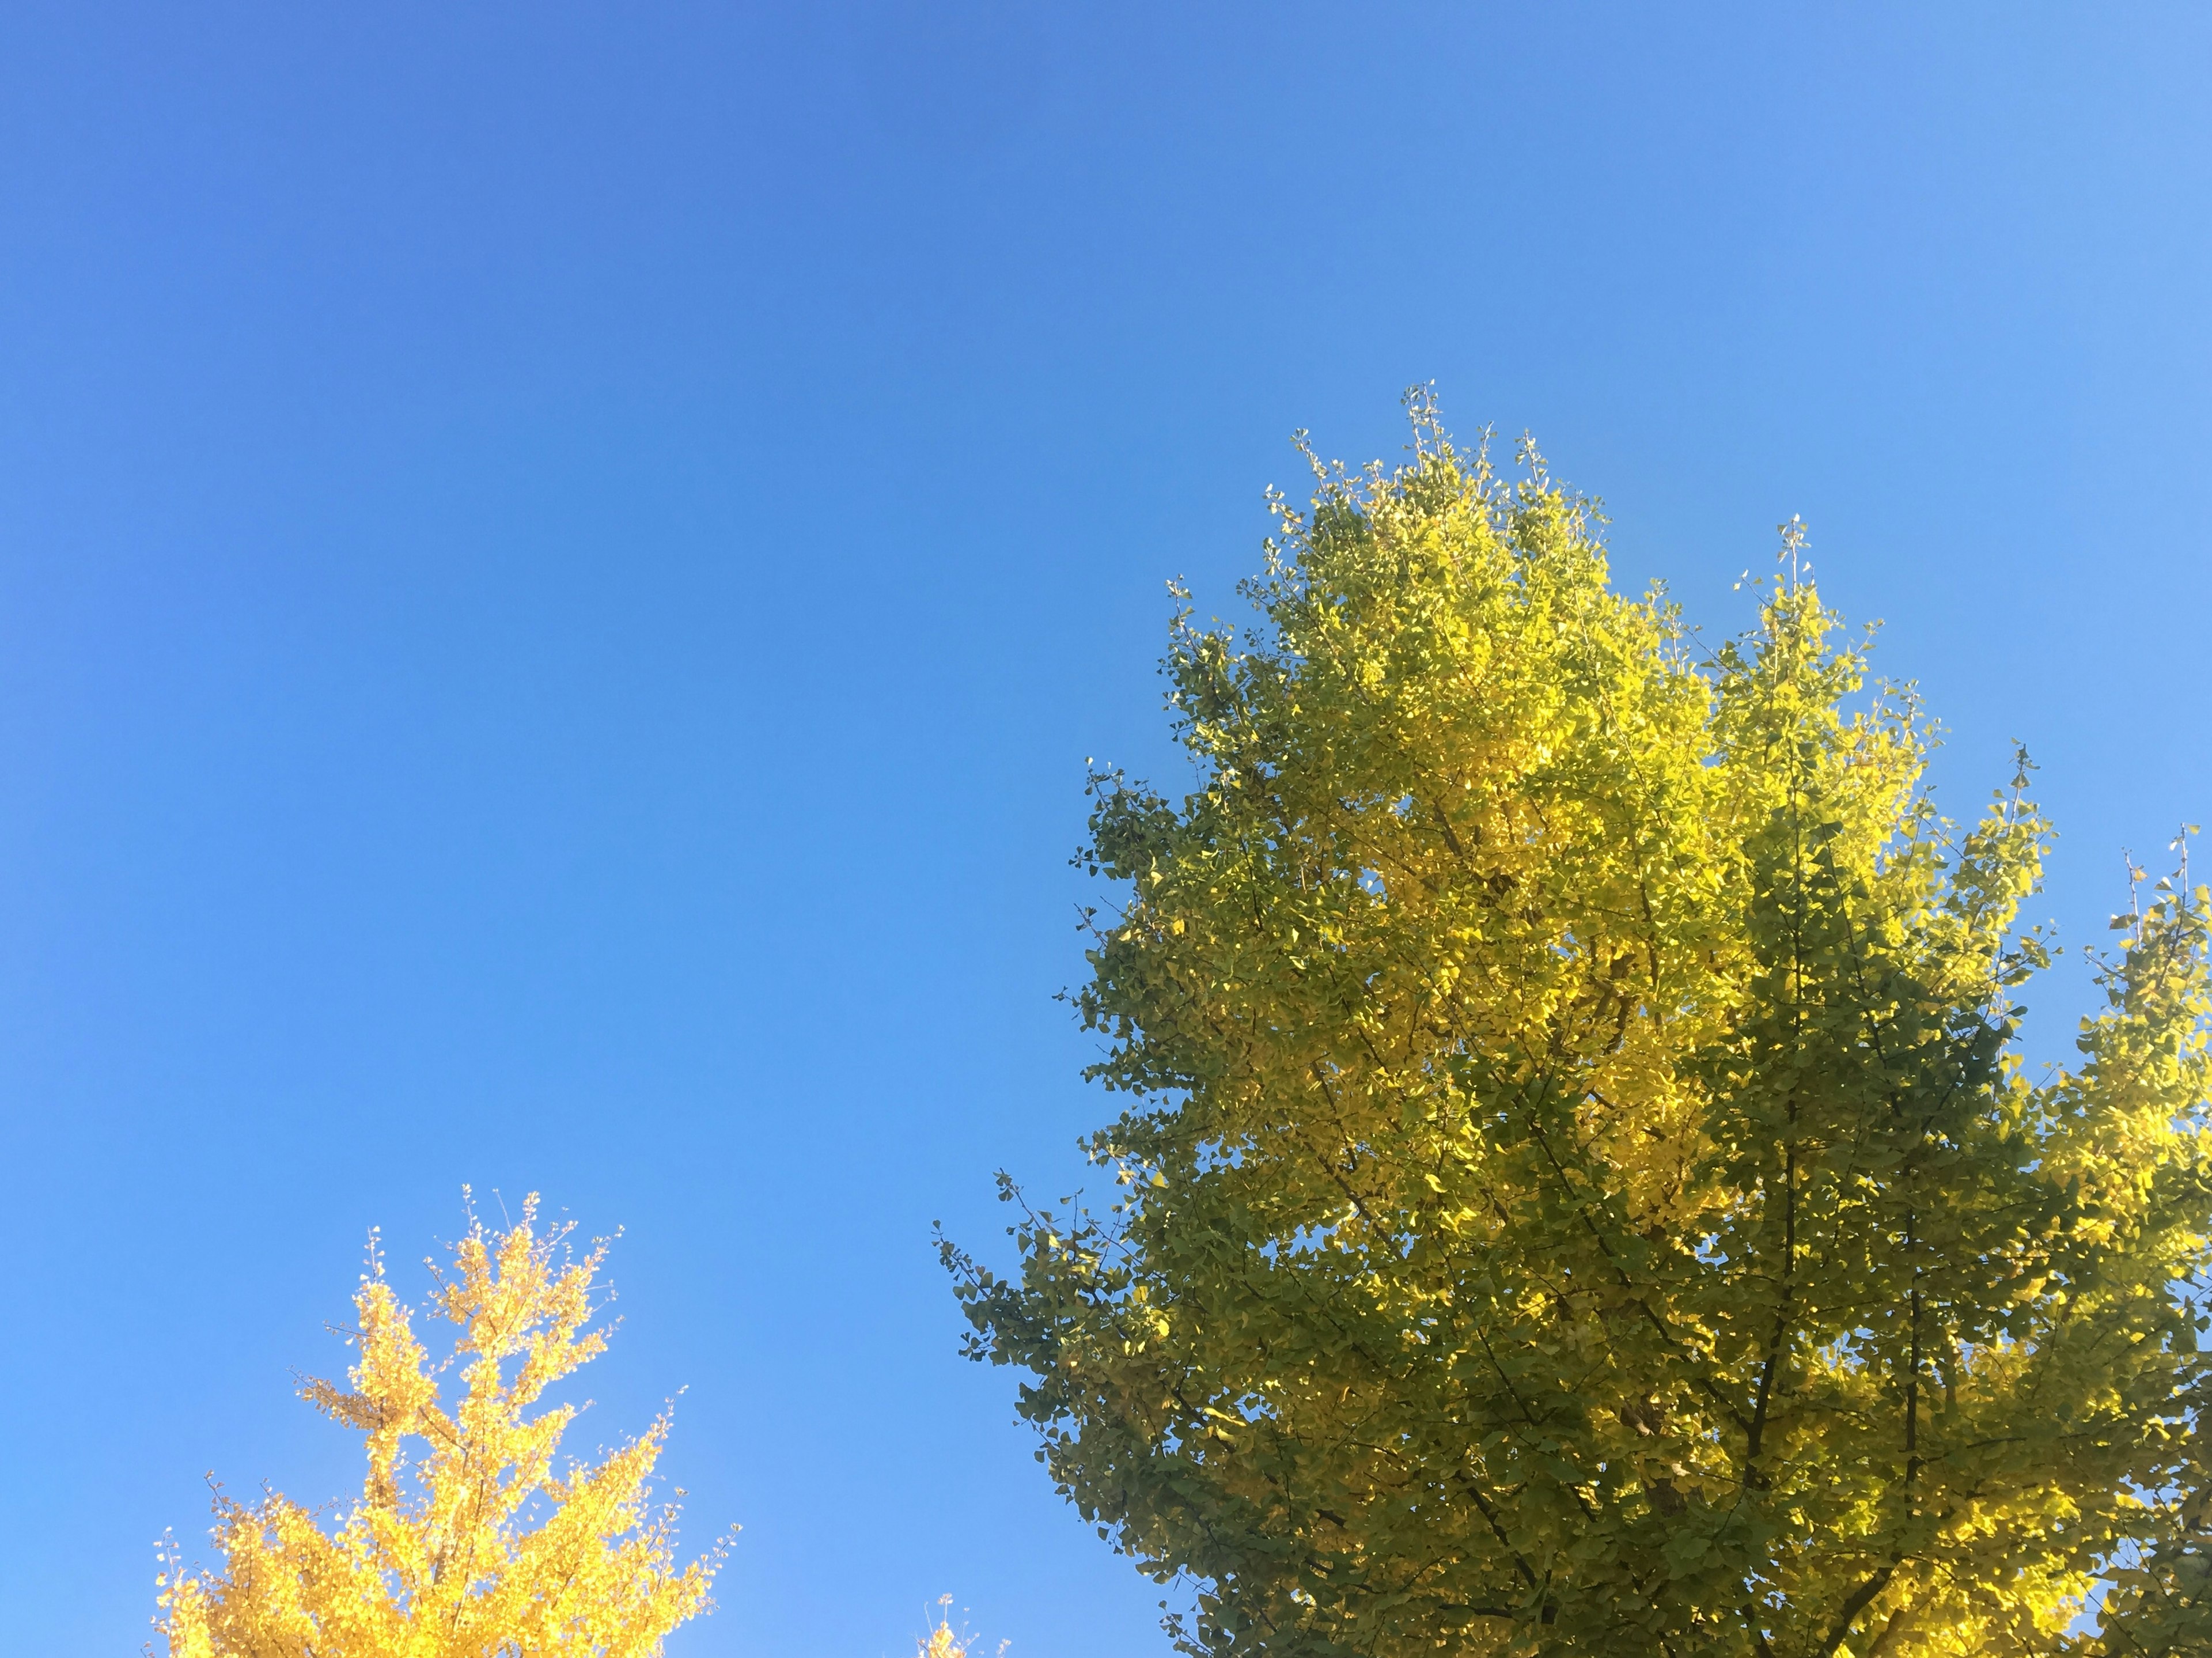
(481, 1543)
(944, 1641)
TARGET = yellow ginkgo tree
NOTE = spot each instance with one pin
(1579, 1188)
(473, 1538)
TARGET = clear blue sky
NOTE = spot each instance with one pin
(559, 566)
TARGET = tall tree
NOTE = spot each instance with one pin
(482, 1543)
(1579, 1192)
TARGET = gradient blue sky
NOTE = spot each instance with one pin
(559, 566)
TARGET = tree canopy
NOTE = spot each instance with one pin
(1579, 1191)
(482, 1544)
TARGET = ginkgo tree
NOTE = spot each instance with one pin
(472, 1538)
(1579, 1192)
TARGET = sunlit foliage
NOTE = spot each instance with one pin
(1579, 1192)
(472, 1538)
(944, 1641)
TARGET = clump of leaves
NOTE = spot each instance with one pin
(480, 1541)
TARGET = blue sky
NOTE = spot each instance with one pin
(559, 566)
